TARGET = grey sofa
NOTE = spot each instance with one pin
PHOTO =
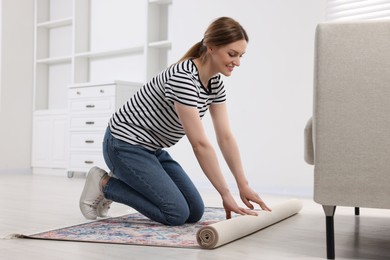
(348, 137)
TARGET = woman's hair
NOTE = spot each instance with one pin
(222, 31)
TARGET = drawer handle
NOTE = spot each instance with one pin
(89, 123)
(78, 93)
(88, 162)
(89, 141)
(90, 106)
(101, 91)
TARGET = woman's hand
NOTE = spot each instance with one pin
(230, 205)
(247, 195)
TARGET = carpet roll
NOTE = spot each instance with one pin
(223, 232)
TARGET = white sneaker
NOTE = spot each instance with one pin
(92, 194)
(104, 205)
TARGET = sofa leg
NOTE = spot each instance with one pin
(330, 250)
(357, 211)
(330, 244)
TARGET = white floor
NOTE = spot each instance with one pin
(35, 203)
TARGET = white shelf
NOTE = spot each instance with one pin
(108, 53)
(160, 44)
(56, 23)
(55, 60)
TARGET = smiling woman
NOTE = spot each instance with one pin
(171, 105)
(220, 50)
(223, 59)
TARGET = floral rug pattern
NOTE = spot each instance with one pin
(134, 229)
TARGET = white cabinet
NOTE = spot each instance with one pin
(49, 149)
(90, 108)
(80, 43)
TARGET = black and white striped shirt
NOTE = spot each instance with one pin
(149, 117)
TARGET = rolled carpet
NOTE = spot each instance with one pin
(223, 232)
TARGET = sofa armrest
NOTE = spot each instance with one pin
(308, 143)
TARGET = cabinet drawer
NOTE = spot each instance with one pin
(92, 105)
(89, 123)
(86, 140)
(91, 92)
(86, 160)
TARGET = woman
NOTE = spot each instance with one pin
(168, 107)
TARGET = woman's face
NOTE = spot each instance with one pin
(225, 58)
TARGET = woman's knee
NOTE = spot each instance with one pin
(196, 212)
(183, 215)
(177, 217)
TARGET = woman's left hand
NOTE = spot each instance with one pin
(247, 195)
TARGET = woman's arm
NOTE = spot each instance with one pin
(231, 153)
(206, 156)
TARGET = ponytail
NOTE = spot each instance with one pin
(196, 51)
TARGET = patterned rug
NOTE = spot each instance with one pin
(133, 229)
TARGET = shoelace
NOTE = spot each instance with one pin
(96, 202)
(106, 204)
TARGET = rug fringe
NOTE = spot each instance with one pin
(15, 236)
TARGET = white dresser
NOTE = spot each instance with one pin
(90, 108)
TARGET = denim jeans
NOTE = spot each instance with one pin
(151, 182)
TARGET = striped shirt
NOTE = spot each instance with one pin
(149, 117)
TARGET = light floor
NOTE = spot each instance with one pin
(35, 203)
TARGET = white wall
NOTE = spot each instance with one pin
(1, 26)
(269, 96)
(16, 85)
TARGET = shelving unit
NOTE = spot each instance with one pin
(52, 74)
(53, 54)
(157, 42)
(81, 42)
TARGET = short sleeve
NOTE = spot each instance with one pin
(180, 88)
(218, 90)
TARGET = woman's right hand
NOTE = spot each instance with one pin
(230, 206)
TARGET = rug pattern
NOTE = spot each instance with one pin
(134, 229)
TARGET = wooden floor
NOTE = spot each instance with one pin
(34, 203)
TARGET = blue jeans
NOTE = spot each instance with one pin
(151, 182)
